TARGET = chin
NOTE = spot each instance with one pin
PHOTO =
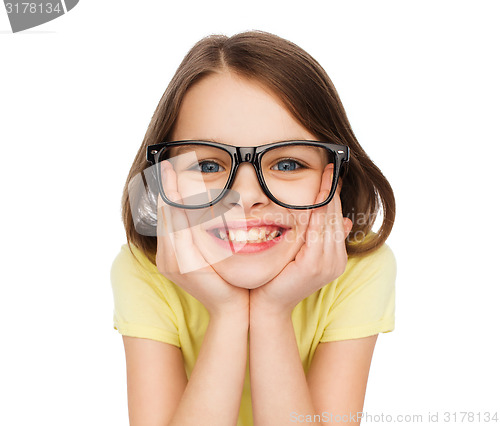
(249, 279)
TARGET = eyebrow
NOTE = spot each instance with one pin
(182, 149)
(201, 140)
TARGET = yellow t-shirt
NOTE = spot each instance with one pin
(359, 303)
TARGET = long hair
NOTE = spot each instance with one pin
(307, 92)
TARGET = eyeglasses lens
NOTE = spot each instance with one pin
(194, 174)
(294, 173)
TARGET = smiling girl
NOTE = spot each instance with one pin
(257, 299)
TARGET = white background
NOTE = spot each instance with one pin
(420, 84)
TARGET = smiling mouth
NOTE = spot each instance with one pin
(254, 235)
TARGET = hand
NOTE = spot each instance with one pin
(176, 253)
(321, 259)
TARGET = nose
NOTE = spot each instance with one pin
(247, 185)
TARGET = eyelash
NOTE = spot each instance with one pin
(199, 165)
(300, 164)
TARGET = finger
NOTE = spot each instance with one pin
(347, 223)
(166, 260)
(325, 188)
(347, 226)
(315, 228)
(317, 219)
(169, 182)
(167, 257)
(189, 257)
(318, 215)
(179, 221)
(334, 240)
(327, 178)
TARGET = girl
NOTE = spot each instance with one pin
(252, 289)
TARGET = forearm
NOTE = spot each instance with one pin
(278, 382)
(213, 393)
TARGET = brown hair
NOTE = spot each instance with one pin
(307, 92)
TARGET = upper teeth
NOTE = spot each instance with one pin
(253, 234)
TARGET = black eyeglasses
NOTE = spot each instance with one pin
(196, 174)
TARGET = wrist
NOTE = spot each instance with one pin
(231, 315)
(264, 309)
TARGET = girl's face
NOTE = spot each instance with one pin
(226, 108)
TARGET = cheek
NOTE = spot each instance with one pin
(295, 237)
(301, 220)
(309, 190)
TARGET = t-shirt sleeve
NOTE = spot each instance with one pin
(141, 308)
(364, 302)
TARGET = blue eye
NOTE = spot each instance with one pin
(286, 166)
(210, 167)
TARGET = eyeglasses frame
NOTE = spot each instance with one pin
(252, 155)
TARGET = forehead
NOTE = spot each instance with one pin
(237, 111)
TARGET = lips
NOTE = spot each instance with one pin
(248, 236)
(253, 235)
